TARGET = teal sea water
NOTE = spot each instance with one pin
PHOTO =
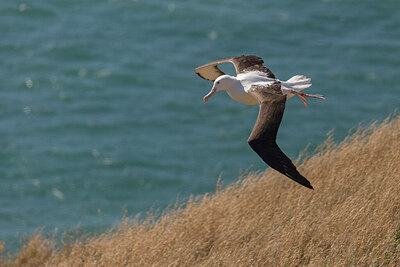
(100, 110)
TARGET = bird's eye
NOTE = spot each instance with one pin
(217, 82)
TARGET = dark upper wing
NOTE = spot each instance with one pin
(263, 137)
(210, 71)
(251, 63)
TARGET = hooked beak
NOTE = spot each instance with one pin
(210, 94)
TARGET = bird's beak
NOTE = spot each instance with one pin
(210, 94)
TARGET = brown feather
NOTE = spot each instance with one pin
(251, 63)
(263, 137)
(210, 71)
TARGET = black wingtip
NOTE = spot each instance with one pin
(300, 179)
(304, 182)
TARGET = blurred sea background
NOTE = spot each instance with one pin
(101, 113)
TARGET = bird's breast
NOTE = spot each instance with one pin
(240, 95)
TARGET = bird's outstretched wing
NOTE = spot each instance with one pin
(263, 137)
(210, 71)
(251, 63)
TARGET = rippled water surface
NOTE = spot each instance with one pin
(100, 110)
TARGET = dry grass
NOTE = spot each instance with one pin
(352, 218)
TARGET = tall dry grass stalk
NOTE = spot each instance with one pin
(352, 218)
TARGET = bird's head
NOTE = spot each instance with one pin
(223, 82)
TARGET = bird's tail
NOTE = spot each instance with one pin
(297, 83)
(294, 85)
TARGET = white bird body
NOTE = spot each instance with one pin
(238, 87)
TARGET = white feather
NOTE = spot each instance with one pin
(238, 87)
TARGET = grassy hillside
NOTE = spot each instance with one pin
(352, 218)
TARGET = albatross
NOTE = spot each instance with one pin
(256, 84)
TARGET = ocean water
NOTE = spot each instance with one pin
(101, 113)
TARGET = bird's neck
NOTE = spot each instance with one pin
(237, 92)
(232, 84)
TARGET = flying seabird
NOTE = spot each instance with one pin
(256, 84)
